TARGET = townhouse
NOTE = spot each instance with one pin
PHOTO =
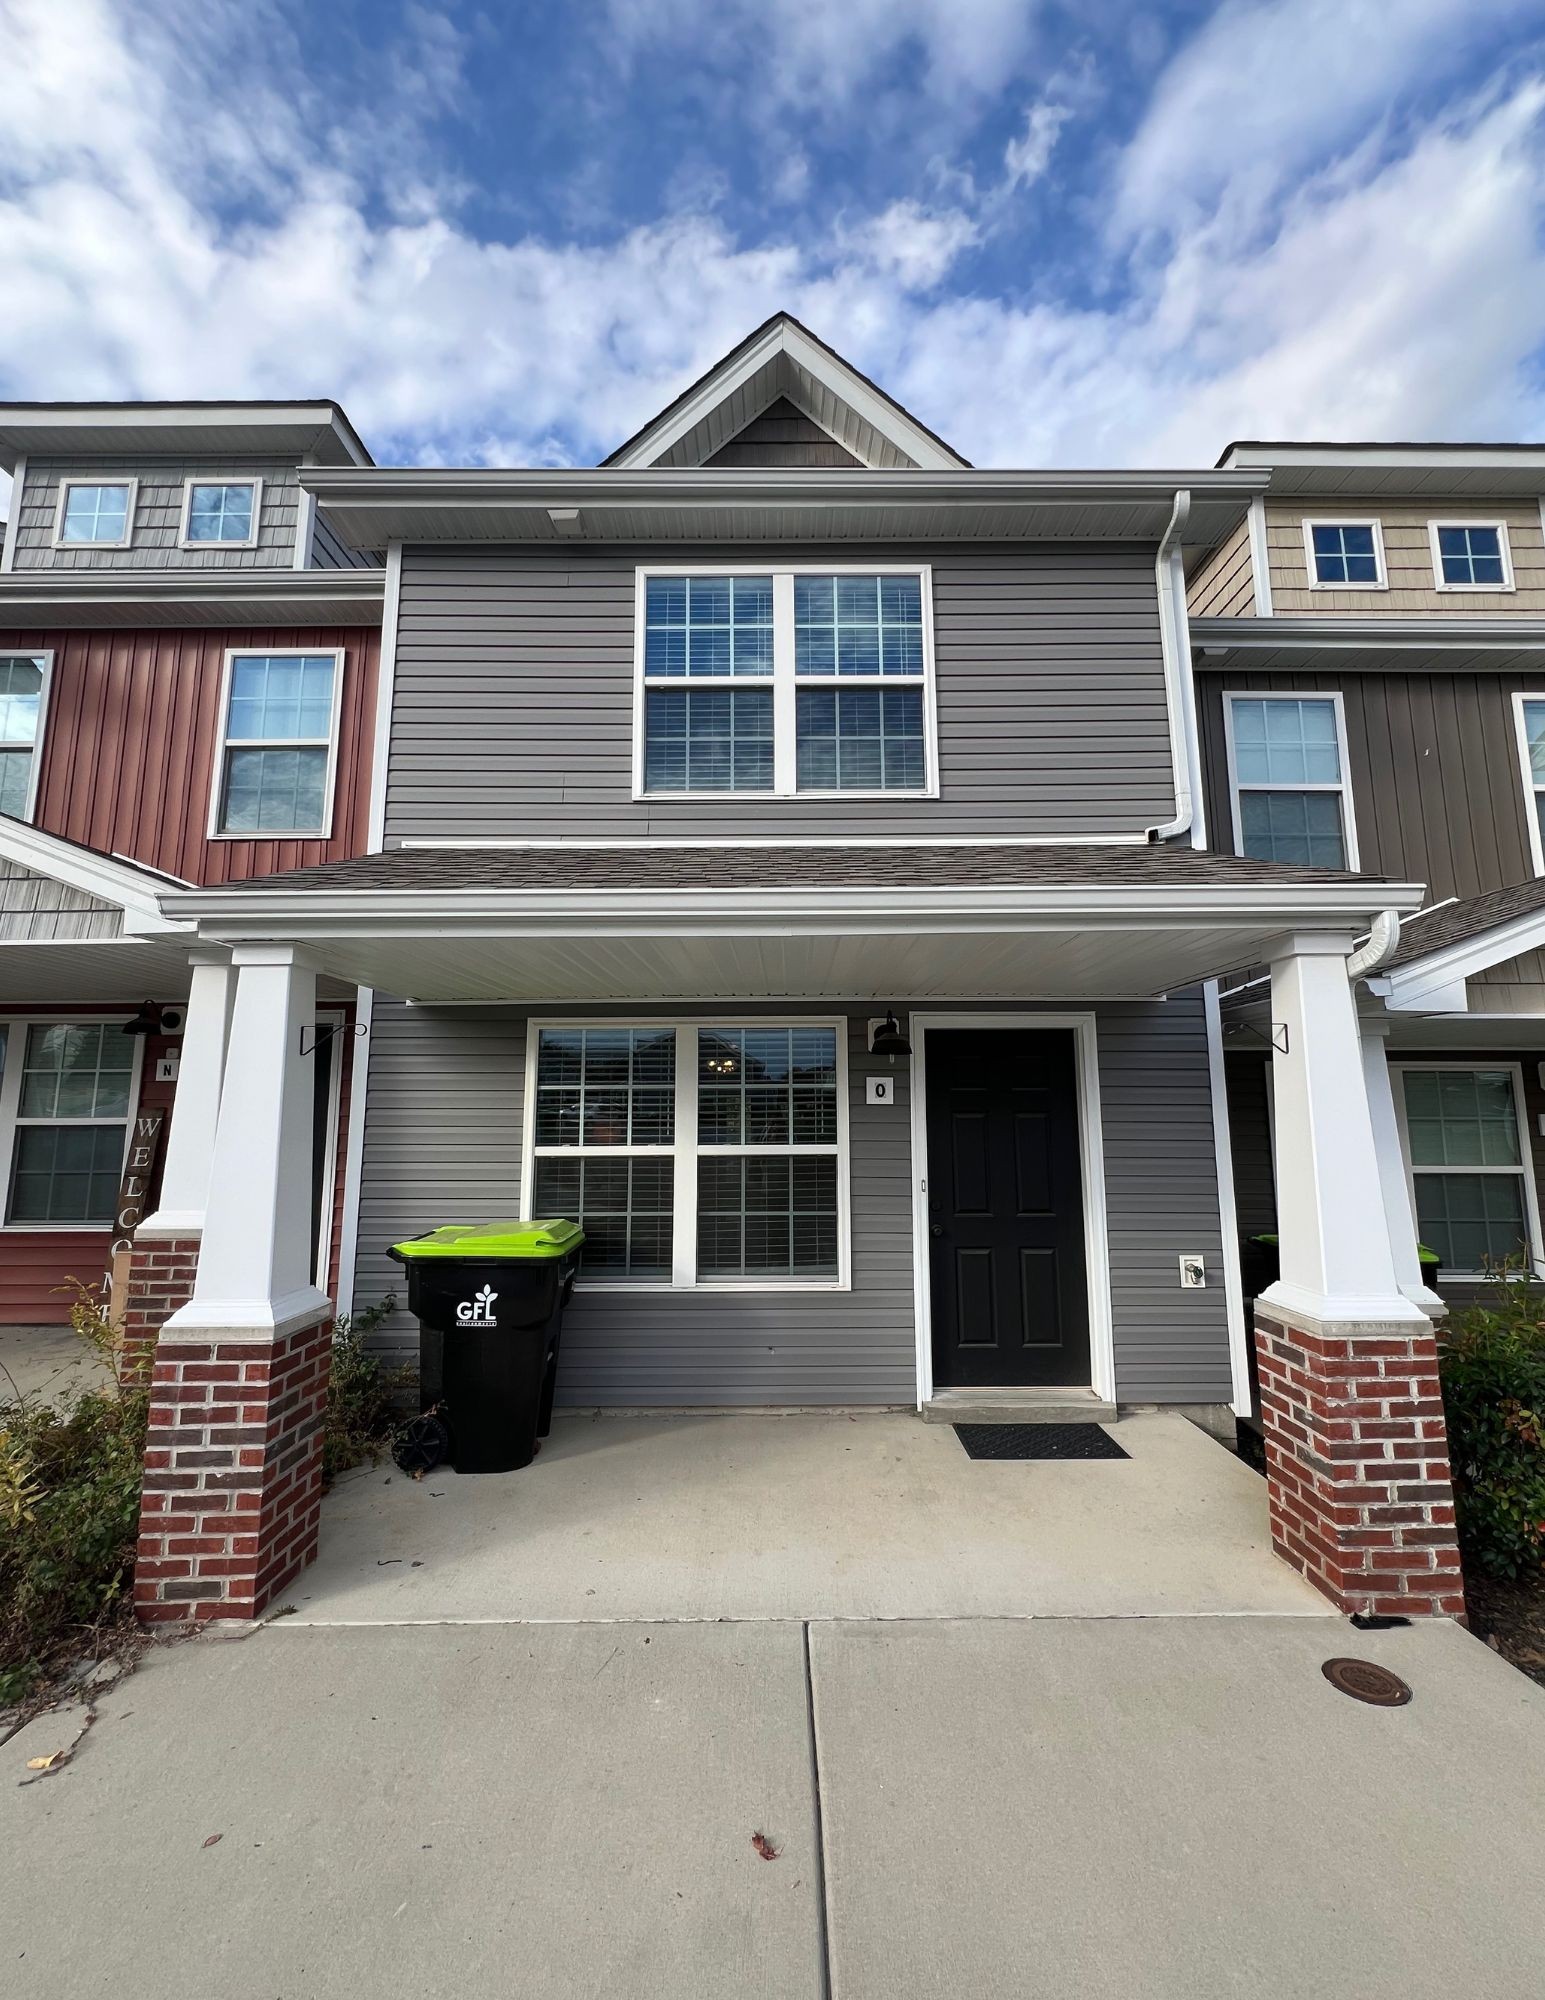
(787, 850)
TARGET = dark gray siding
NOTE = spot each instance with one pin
(1437, 787)
(327, 552)
(783, 435)
(513, 708)
(157, 514)
(443, 1140)
(1255, 1188)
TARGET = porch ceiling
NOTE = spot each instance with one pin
(79, 972)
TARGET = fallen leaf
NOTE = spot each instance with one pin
(764, 1847)
(47, 1763)
(213, 1838)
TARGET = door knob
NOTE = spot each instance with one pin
(936, 1229)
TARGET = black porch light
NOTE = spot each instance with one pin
(152, 1020)
(888, 1040)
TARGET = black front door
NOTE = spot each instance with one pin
(1005, 1210)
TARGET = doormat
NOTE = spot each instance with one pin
(1038, 1441)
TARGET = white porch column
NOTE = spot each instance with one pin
(190, 1142)
(254, 1268)
(1336, 1258)
(1398, 1214)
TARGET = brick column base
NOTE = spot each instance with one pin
(161, 1271)
(1357, 1465)
(233, 1471)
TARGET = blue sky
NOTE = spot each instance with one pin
(1108, 232)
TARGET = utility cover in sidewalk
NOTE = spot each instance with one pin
(1038, 1441)
(1364, 1681)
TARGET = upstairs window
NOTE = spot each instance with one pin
(279, 745)
(220, 514)
(785, 683)
(23, 693)
(91, 515)
(1287, 766)
(1345, 555)
(1471, 555)
(1529, 717)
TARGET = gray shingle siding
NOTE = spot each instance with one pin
(443, 1142)
(513, 704)
(157, 513)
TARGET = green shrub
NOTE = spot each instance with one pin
(69, 1517)
(363, 1398)
(1492, 1363)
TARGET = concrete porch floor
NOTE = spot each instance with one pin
(810, 1515)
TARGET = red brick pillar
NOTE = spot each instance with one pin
(159, 1279)
(233, 1471)
(1357, 1465)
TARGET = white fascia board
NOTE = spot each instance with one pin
(1512, 635)
(1430, 984)
(866, 402)
(570, 912)
(116, 882)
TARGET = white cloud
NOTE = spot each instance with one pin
(1395, 291)
(1026, 158)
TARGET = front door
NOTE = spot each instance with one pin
(1009, 1285)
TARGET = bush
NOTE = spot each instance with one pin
(69, 1517)
(1492, 1363)
(363, 1398)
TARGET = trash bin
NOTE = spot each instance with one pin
(490, 1296)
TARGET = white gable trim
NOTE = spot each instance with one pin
(124, 884)
(1436, 984)
(784, 338)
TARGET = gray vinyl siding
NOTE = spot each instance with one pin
(1249, 1113)
(1437, 784)
(328, 552)
(36, 909)
(513, 704)
(157, 513)
(442, 1142)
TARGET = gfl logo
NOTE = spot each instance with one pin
(478, 1311)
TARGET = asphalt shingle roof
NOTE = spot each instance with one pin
(1455, 923)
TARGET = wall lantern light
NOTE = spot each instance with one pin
(888, 1040)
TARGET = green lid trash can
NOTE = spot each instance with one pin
(490, 1298)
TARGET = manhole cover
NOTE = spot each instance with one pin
(1364, 1681)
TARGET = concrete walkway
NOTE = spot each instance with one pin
(964, 1809)
(51, 1362)
(813, 1515)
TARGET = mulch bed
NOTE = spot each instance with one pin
(1512, 1617)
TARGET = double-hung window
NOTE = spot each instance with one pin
(693, 1155)
(65, 1094)
(785, 683)
(278, 745)
(1287, 767)
(1529, 717)
(1465, 1148)
(1344, 555)
(221, 513)
(23, 695)
(95, 514)
(1471, 555)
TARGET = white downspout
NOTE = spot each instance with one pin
(1175, 649)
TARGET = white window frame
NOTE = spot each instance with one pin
(187, 541)
(686, 1150)
(68, 486)
(1348, 817)
(16, 1027)
(1532, 786)
(45, 660)
(1504, 548)
(1525, 1167)
(225, 743)
(783, 682)
(1381, 581)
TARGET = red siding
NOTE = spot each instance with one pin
(129, 746)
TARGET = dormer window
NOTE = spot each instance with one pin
(1344, 555)
(1471, 555)
(95, 514)
(220, 514)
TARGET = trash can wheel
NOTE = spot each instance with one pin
(422, 1444)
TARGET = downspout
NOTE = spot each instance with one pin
(1383, 936)
(1175, 649)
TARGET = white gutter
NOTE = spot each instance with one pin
(1174, 645)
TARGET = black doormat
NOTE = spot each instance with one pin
(1038, 1441)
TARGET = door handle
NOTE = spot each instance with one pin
(936, 1229)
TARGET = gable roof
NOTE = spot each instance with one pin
(1468, 921)
(124, 885)
(783, 359)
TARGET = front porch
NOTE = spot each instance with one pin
(803, 1515)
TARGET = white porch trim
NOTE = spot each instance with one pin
(136, 891)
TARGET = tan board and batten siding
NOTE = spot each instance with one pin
(157, 521)
(443, 1142)
(513, 705)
